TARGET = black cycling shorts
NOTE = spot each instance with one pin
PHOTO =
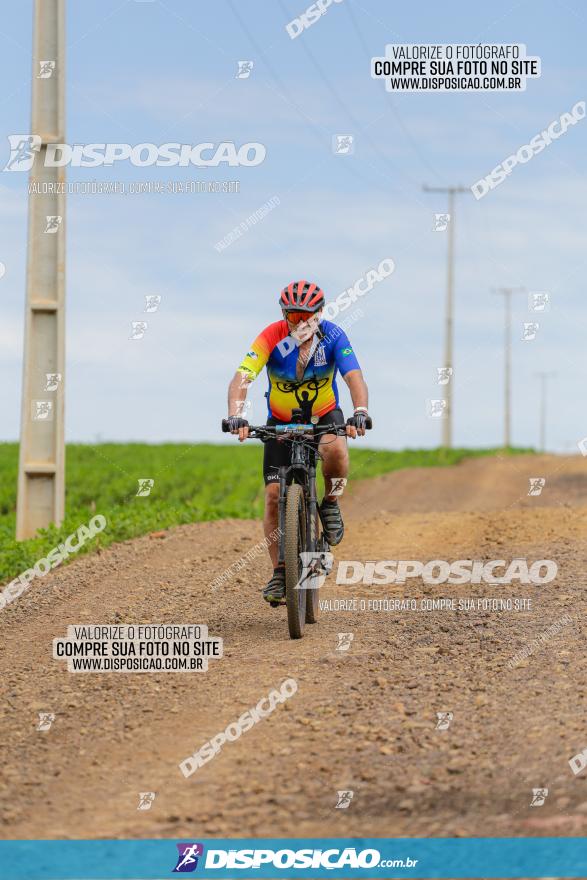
(277, 453)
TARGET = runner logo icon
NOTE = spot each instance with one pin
(315, 566)
(344, 800)
(539, 795)
(187, 860)
(22, 151)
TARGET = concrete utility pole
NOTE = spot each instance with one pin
(507, 295)
(449, 328)
(41, 478)
(543, 376)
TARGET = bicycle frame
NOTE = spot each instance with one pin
(302, 470)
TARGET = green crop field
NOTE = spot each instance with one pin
(191, 483)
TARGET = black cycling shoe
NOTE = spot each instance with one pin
(332, 522)
(274, 592)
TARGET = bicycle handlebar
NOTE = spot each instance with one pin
(294, 428)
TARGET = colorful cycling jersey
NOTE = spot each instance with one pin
(316, 392)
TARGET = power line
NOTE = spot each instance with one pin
(390, 102)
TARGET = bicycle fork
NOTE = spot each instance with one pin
(281, 514)
(314, 545)
(311, 509)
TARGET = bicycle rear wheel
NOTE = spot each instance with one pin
(295, 545)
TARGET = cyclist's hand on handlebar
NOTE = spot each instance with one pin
(358, 423)
(238, 426)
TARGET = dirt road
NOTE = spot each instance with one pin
(363, 720)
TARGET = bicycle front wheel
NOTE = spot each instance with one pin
(295, 545)
(312, 592)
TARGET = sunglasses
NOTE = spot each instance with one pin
(297, 317)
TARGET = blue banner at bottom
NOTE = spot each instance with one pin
(287, 858)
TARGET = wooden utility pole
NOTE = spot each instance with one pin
(506, 292)
(543, 376)
(449, 323)
(41, 476)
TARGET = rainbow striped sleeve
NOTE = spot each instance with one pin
(258, 355)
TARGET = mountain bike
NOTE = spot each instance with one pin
(303, 548)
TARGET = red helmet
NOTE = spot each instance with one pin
(301, 296)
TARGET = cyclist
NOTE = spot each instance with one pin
(302, 354)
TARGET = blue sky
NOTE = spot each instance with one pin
(163, 72)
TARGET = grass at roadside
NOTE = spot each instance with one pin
(191, 483)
